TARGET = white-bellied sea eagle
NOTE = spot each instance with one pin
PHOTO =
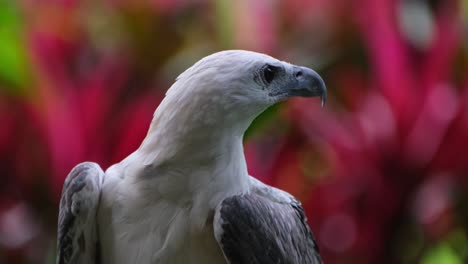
(185, 196)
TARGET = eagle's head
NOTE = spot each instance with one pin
(217, 98)
(246, 82)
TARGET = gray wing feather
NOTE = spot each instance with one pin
(77, 236)
(253, 228)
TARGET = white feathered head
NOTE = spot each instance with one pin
(242, 83)
(220, 95)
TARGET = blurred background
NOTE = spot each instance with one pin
(382, 170)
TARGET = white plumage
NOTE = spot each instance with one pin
(159, 203)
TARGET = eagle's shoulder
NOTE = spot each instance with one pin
(265, 225)
(77, 238)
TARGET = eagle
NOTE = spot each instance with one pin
(185, 196)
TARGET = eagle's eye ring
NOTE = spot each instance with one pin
(269, 73)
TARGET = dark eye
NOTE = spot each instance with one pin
(269, 73)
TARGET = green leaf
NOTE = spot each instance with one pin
(13, 59)
(442, 253)
(263, 120)
(224, 22)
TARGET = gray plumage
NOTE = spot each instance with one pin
(264, 225)
(77, 236)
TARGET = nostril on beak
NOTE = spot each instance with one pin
(298, 74)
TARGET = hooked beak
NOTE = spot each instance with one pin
(308, 84)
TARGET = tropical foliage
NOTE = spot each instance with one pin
(382, 170)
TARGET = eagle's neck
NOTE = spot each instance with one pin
(194, 168)
(197, 132)
(199, 148)
(204, 151)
